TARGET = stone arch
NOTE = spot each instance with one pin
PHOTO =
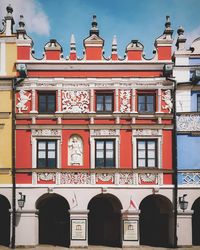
(156, 221)
(4, 221)
(75, 150)
(196, 222)
(104, 220)
(54, 220)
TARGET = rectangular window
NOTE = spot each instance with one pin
(104, 102)
(46, 153)
(47, 102)
(198, 103)
(146, 103)
(105, 153)
(146, 153)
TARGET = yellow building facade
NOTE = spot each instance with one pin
(8, 56)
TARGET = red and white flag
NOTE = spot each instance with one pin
(132, 203)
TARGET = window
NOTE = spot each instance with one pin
(146, 153)
(47, 102)
(105, 153)
(146, 103)
(46, 153)
(104, 102)
(198, 103)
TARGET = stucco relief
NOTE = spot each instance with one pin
(126, 178)
(188, 123)
(105, 177)
(75, 101)
(75, 151)
(166, 97)
(23, 98)
(191, 178)
(46, 132)
(148, 178)
(104, 132)
(75, 178)
(46, 176)
(142, 132)
(125, 101)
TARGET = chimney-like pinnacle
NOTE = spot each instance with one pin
(180, 31)
(94, 29)
(21, 22)
(114, 43)
(168, 30)
(72, 43)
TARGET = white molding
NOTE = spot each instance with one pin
(2, 58)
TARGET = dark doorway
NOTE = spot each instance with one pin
(196, 223)
(4, 221)
(156, 221)
(54, 221)
(104, 221)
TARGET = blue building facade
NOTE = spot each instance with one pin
(187, 75)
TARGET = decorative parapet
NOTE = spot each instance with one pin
(188, 123)
(78, 178)
(190, 178)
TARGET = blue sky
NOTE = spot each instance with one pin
(128, 19)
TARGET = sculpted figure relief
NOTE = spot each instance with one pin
(75, 151)
(23, 99)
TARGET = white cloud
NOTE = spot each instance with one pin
(35, 18)
(191, 36)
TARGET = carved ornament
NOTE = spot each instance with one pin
(125, 101)
(188, 123)
(23, 98)
(166, 97)
(75, 101)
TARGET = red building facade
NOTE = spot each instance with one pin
(94, 144)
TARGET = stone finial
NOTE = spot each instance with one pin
(114, 43)
(72, 43)
(9, 9)
(180, 43)
(21, 32)
(168, 31)
(9, 21)
(94, 29)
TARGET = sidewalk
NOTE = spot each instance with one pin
(49, 247)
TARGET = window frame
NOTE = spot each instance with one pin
(46, 153)
(104, 153)
(146, 153)
(146, 94)
(46, 94)
(104, 94)
(198, 102)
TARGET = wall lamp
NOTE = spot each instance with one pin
(21, 200)
(183, 203)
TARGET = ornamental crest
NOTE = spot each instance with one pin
(22, 101)
(104, 132)
(166, 97)
(75, 101)
(105, 177)
(125, 99)
(143, 132)
(46, 177)
(149, 178)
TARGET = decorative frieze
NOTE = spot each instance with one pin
(166, 97)
(46, 177)
(191, 178)
(146, 132)
(188, 123)
(126, 179)
(125, 101)
(46, 132)
(75, 101)
(75, 178)
(23, 99)
(148, 178)
(104, 132)
(105, 177)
